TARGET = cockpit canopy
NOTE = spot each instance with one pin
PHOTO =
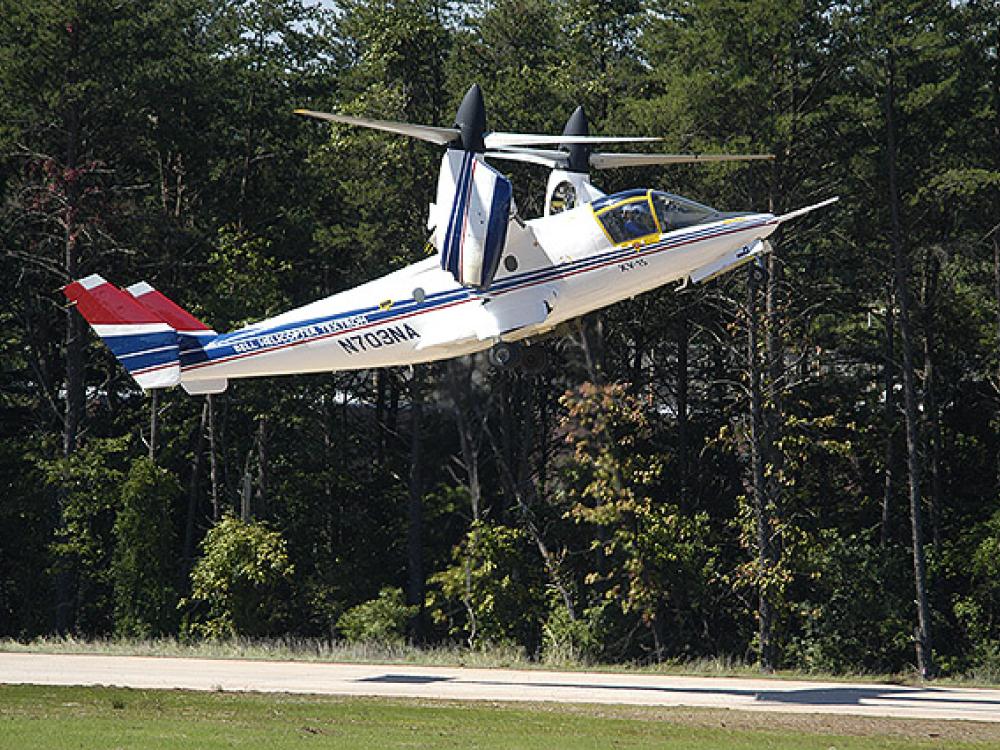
(635, 214)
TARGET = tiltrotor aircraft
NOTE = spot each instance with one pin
(496, 280)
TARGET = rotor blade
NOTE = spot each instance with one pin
(549, 152)
(609, 161)
(441, 136)
(544, 157)
(505, 140)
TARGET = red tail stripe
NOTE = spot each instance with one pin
(170, 312)
(106, 304)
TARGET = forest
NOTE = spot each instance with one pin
(798, 471)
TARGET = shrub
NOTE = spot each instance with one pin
(143, 566)
(381, 620)
(241, 578)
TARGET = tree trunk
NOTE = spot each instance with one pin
(996, 294)
(592, 341)
(922, 633)
(931, 413)
(380, 429)
(683, 343)
(193, 490)
(543, 436)
(415, 576)
(467, 440)
(889, 415)
(774, 403)
(213, 462)
(154, 421)
(765, 609)
(996, 286)
(995, 232)
(75, 394)
(263, 467)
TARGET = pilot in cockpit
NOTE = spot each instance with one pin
(637, 220)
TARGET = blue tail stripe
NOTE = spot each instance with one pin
(150, 359)
(147, 352)
(187, 342)
(122, 346)
(143, 350)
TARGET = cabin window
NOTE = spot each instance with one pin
(674, 212)
(629, 220)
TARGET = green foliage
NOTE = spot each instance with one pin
(853, 612)
(144, 566)
(574, 640)
(978, 611)
(243, 261)
(25, 595)
(238, 585)
(491, 592)
(380, 620)
(645, 552)
(88, 484)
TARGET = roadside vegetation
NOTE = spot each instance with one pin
(446, 655)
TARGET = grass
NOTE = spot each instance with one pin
(454, 655)
(70, 717)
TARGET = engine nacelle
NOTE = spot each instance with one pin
(470, 217)
(566, 190)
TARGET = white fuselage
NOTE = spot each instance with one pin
(553, 269)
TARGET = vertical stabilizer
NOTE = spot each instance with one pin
(191, 333)
(145, 345)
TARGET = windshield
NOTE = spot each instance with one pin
(674, 212)
(634, 214)
(628, 220)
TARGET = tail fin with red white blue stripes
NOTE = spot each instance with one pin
(143, 329)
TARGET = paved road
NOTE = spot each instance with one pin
(502, 685)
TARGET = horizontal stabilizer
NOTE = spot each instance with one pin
(205, 387)
(144, 344)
